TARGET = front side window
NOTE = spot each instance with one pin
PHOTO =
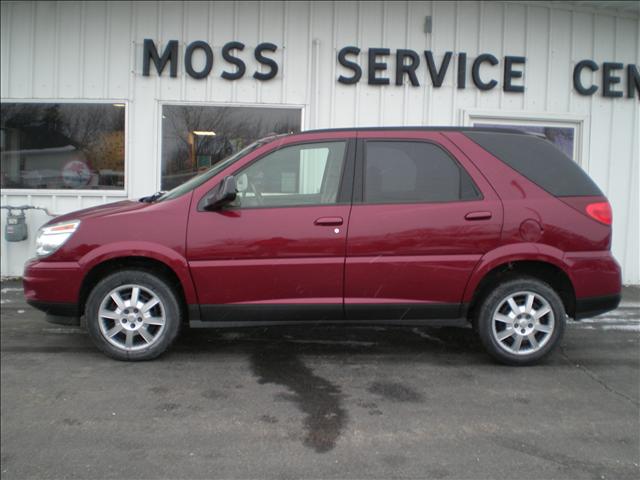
(293, 176)
(413, 172)
(72, 146)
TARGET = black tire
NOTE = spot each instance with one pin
(150, 282)
(499, 350)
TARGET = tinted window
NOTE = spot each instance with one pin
(297, 175)
(411, 172)
(75, 146)
(539, 161)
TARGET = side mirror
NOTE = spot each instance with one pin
(223, 196)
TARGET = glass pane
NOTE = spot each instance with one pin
(296, 175)
(62, 145)
(196, 137)
(412, 172)
(562, 137)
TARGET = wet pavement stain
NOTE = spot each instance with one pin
(159, 390)
(319, 399)
(268, 419)
(71, 422)
(396, 392)
(167, 407)
(213, 394)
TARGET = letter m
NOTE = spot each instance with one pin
(170, 55)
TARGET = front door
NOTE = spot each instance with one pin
(277, 253)
(419, 225)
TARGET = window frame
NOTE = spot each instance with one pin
(359, 183)
(64, 192)
(345, 188)
(160, 104)
(579, 123)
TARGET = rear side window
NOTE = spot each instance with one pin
(539, 161)
(413, 172)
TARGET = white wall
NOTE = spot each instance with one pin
(92, 50)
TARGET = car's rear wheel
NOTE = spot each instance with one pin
(133, 315)
(521, 321)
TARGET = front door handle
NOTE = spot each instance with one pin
(328, 221)
(478, 216)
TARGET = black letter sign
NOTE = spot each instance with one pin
(510, 74)
(577, 84)
(170, 54)
(234, 60)
(188, 57)
(608, 80)
(633, 78)
(437, 76)
(462, 70)
(267, 61)
(357, 71)
(375, 66)
(409, 69)
(475, 71)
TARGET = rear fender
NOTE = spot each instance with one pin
(535, 252)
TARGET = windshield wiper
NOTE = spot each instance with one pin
(152, 198)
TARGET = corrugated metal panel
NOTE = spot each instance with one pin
(92, 50)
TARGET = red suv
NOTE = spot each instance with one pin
(400, 226)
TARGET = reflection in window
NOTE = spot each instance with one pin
(413, 172)
(297, 175)
(195, 137)
(62, 145)
(562, 137)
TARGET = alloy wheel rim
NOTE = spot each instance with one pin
(523, 323)
(131, 317)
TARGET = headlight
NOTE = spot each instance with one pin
(51, 238)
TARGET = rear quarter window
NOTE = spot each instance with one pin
(539, 161)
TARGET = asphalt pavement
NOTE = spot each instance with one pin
(319, 402)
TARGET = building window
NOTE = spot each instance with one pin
(195, 137)
(73, 146)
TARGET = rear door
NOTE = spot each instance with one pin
(422, 217)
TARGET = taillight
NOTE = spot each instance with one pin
(600, 211)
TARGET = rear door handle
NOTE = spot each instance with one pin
(478, 216)
(328, 221)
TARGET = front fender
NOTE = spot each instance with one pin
(536, 252)
(172, 259)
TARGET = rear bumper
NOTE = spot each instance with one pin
(53, 287)
(594, 275)
(590, 307)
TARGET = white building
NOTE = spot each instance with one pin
(84, 124)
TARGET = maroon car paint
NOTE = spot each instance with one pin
(380, 254)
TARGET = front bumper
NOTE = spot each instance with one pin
(53, 287)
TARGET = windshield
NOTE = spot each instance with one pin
(213, 171)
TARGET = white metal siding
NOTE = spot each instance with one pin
(92, 50)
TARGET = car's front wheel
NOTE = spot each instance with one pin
(521, 321)
(133, 315)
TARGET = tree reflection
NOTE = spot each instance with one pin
(194, 137)
(41, 141)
